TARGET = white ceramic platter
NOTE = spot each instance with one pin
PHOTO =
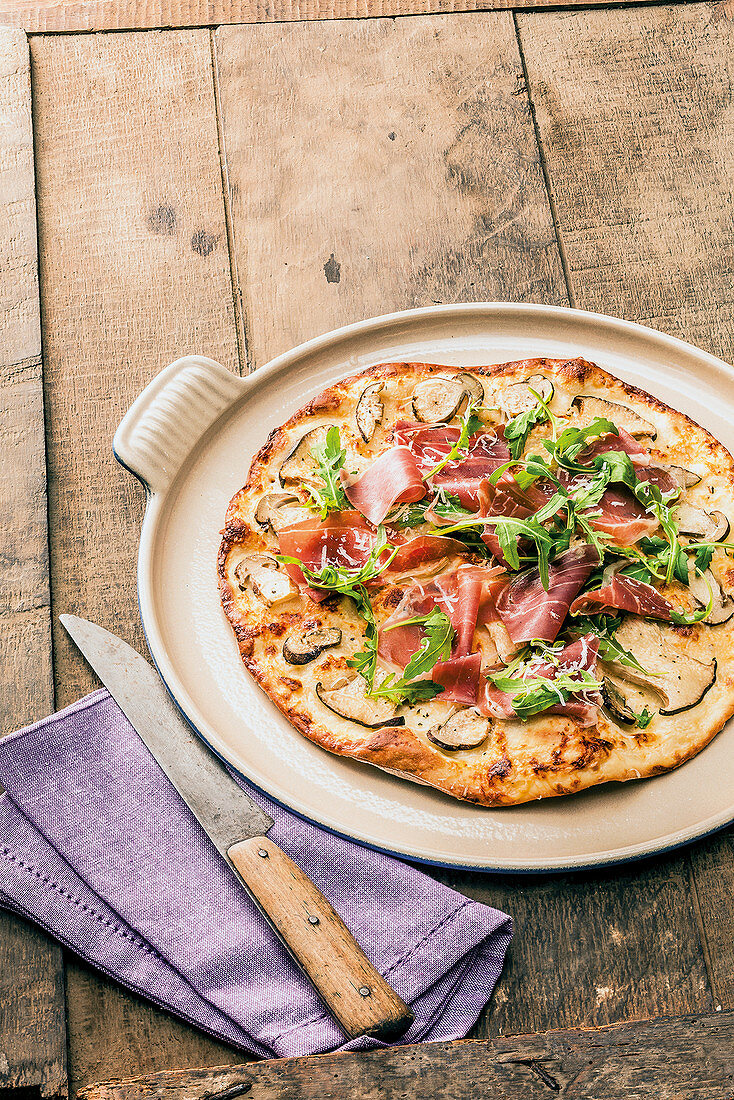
(190, 437)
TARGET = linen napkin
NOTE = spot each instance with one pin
(97, 848)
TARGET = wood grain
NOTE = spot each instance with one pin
(112, 15)
(644, 208)
(361, 184)
(413, 184)
(354, 992)
(687, 1057)
(635, 110)
(134, 272)
(32, 1013)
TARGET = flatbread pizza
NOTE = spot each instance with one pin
(510, 582)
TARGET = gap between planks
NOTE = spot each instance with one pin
(99, 16)
(240, 317)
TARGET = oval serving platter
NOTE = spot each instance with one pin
(190, 437)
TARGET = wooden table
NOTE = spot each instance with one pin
(234, 190)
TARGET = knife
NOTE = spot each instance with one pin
(314, 934)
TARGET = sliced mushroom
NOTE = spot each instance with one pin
(517, 397)
(437, 399)
(370, 411)
(679, 679)
(616, 704)
(684, 478)
(709, 526)
(276, 510)
(464, 730)
(301, 464)
(620, 415)
(506, 648)
(306, 645)
(350, 701)
(701, 587)
(262, 574)
(472, 386)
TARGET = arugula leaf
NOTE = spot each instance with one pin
(572, 441)
(704, 552)
(604, 628)
(532, 695)
(653, 560)
(469, 423)
(518, 429)
(435, 646)
(330, 455)
(443, 504)
(688, 618)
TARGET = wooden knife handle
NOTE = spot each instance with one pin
(345, 979)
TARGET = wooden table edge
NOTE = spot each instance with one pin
(490, 1062)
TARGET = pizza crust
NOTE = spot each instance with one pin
(546, 756)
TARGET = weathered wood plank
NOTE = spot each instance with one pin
(595, 948)
(433, 192)
(134, 272)
(689, 1056)
(361, 183)
(32, 1015)
(634, 110)
(643, 200)
(111, 15)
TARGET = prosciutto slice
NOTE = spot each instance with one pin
(622, 516)
(461, 477)
(610, 442)
(417, 552)
(657, 476)
(343, 539)
(494, 703)
(459, 677)
(529, 611)
(624, 594)
(495, 502)
(394, 478)
(466, 595)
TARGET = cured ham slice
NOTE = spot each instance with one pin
(459, 677)
(343, 540)
(461, 477)
(529, 611)
(394, 478)
(624, 594)
(468, 598)
(659, 477)
(466, 595)
(496, 502)
(417, 552)
(610, 442)
(494, 703)
(621, 515)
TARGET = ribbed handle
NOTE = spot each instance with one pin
(170, 416)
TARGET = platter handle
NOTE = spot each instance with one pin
(163, 424)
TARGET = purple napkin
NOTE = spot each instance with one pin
(99, 850)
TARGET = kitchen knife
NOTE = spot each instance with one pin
(357, 995)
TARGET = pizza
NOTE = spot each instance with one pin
(509, 583)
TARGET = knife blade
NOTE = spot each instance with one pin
(319, 941)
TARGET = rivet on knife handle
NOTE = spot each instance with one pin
(359, 997)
